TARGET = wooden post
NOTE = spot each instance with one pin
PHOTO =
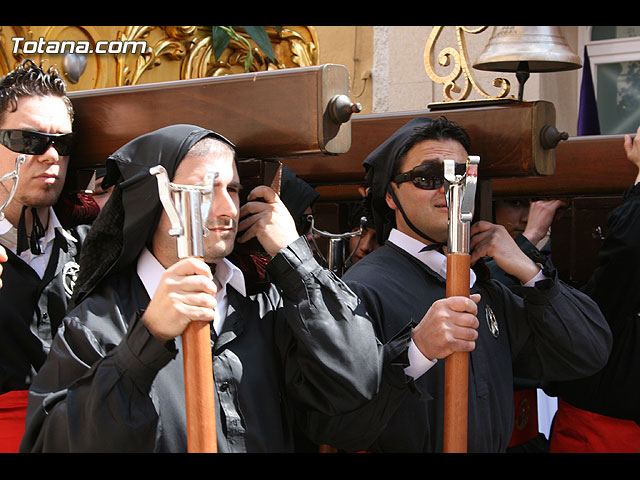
(456, 365)
(198, 381)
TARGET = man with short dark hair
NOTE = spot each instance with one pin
(552, 331)
(114, 378)
(35, 121)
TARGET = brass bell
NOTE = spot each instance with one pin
(527, 49)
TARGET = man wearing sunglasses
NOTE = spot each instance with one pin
(550, 331)
(36, 122)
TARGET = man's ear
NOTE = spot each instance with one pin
(390, 203)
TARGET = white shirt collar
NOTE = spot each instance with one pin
(5, 226)
(228, 273)
(9, 232)
(150, 271)
(435, 260)
(9, 237)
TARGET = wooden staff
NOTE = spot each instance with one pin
(460, 199)
(198, 383)
(187, 227)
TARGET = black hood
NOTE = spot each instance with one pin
(128, 220)
(297, 195)
(379, 166)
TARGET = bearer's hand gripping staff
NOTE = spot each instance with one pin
(460, 192)
(187, 207)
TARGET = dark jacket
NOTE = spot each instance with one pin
(615, 390)
(548, 332)
(33, 309)
(108, 385)
(302, 345)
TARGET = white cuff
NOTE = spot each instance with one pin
(539, 276)
(418, 363)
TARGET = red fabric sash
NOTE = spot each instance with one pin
(579, 431)
(13, 411)
(525, 425)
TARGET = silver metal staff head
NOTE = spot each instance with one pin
(460, 191)
(15, 176)
(187, 207)
(335, 256)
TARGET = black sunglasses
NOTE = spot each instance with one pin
(428, 176)
(36, 143)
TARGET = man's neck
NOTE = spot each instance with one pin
(14, 211)
(403, 228)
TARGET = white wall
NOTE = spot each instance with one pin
(401, 83)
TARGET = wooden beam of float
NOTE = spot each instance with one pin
(283, 112)
(507, 137)
(592, 173)
(587, 165)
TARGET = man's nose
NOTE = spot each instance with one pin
(51, 155)
(366, 242)
(223, 205)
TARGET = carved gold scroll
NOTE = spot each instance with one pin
(456, 60)
(173, 53)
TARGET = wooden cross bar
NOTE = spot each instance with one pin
(265, 114)
(592, 173)
(507, 137)
(586, 165)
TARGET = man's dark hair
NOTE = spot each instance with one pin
(27, 80)
(440, 129)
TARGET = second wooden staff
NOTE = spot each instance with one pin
(460, 191)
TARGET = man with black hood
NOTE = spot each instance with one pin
(114, 379)
(551, 331)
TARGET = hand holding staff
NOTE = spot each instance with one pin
(460, 199)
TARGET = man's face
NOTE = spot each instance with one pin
(426, 209)
(41, 176)
(222, 220)
(363, 244)
(513, 215)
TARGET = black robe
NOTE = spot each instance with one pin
(549, 332)
(108, 385)
(33, 309)
(615, 390)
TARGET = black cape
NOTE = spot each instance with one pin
(548, 332)
(302, 346)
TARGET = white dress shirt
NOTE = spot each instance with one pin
(418, 363)
(150, 271)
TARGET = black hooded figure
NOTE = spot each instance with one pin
(300, 347)
(547, 330)
(129, 218)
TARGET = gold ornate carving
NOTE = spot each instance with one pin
(173, 53)
(192, 47)
(92, 72)
(459, 68)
